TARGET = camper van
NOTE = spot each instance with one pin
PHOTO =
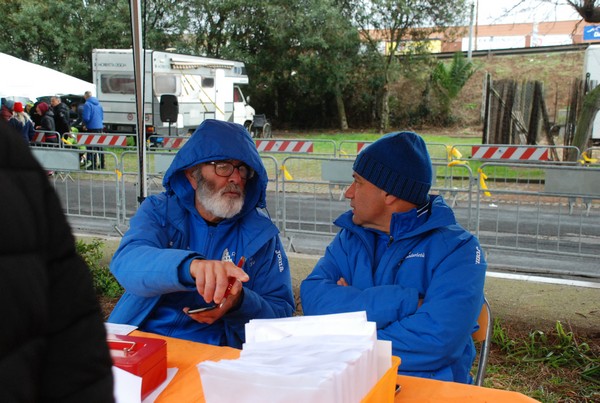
(180, 91)
(591, 70)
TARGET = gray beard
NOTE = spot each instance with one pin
(214, 201)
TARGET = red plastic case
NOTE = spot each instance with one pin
(141, 356)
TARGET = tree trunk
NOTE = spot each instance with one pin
(385, 109)
(276, 103)
(589, 110)
(341, 108)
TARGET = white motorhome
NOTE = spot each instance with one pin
(591, 67)
(193, 88)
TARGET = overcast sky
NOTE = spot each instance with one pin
(494, 11)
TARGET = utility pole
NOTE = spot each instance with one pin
(470, 51)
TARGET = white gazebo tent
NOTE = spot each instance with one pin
(22, 79)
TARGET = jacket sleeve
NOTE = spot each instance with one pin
(86, 114)
(435, 336)
(322, 295)
(145, 263)
(268, 294)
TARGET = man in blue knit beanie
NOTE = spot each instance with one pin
(402, 257)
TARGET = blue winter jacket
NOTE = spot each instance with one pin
(152, 262)
(428, 256)
(93, 114)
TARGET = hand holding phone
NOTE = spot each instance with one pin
(203, 309)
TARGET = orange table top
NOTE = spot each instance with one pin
(186, 385)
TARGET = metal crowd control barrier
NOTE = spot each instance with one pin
(310, 207)
(528, 208)
(129, 183)
(541, 206)
(351, 148)
(157, 164)
(438, 152)
(591, 156)
(457, 184)
(39, 139)
(273, 198)
(92, 198)
(307, 206)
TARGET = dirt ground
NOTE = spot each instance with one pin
(523, 305)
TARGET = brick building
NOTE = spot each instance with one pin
(508, 36)
(521, 35)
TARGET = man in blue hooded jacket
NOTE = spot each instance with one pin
(92, 120)
(183, 245)
(401, 257)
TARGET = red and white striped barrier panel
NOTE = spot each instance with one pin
(102, 140)
(509, 153)
(284, 146)
(38, 137)
(360, 146)
(173, 143)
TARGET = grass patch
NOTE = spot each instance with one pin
(550, 366)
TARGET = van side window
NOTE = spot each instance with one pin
(117, 84)
(208, 82)
(165, 84)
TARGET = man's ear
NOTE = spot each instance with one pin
(190, 174)
(390, 199)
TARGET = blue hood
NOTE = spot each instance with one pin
(216, 140)
(93, 101)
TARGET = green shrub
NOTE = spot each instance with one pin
(104, 282)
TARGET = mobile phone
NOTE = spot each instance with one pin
(203, 309)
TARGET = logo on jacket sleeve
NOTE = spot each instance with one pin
(279, 260)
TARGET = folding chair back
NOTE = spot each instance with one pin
(483, 335)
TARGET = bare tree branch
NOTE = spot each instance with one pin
(587, 9)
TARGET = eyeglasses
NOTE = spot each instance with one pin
(225, 169)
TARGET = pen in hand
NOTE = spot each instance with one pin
(232, 281)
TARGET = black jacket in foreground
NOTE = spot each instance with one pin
(52, 338)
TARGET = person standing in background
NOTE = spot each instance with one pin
(93, 122)
(33, 114)
(61, 115)
(6, 112)
(47, 124)
(22, 122)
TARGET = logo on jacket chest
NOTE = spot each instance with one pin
(415, 255)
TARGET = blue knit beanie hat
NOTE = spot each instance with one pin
(399, 164)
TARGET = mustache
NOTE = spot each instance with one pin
(231, 187)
